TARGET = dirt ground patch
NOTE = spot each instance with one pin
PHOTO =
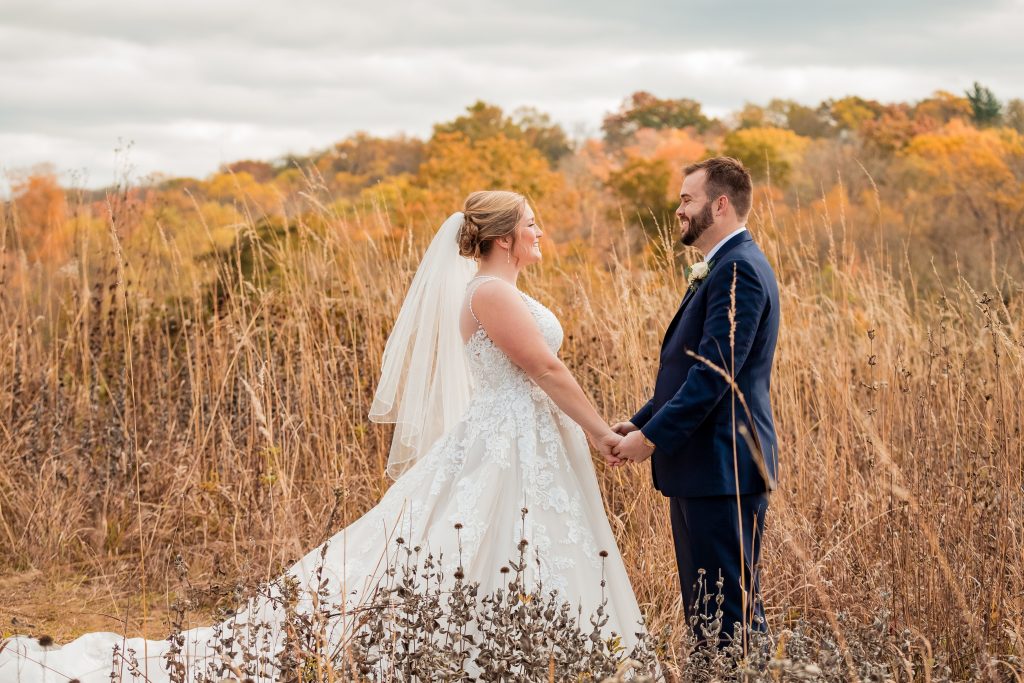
(66, 606)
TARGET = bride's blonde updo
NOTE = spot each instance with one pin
(489, 215)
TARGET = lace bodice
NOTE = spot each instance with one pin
(493, 371)
(523, 432)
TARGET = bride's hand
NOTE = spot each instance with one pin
(604, 445)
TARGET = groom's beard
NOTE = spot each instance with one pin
(695, 227)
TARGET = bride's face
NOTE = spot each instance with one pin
(528, 233)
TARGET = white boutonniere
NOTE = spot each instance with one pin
(697, 272)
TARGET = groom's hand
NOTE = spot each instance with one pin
(624, 428)
(633, 447)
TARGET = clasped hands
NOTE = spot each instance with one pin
(623, 444)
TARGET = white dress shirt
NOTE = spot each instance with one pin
(725, 239)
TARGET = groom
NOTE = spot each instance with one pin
(714, 459)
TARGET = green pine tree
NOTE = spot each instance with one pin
(987, 109)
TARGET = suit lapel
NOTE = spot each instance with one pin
(691, 292)
(679, 314)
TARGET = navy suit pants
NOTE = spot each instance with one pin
(710, 535)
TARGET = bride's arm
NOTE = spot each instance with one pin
(508, 323)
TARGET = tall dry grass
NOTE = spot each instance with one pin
(217, 421)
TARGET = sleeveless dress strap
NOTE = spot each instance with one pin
(474, 284)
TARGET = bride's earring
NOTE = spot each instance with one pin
(508, 255)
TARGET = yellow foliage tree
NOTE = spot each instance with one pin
(851, 113)
(455, 166)
(972, 178)
(242, 189)
(768, 152)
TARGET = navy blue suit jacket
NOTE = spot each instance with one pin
(690, 417)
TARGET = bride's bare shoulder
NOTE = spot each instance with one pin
(495, 293)
(502, 311)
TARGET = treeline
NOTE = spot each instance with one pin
(936, 184)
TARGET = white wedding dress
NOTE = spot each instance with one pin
(512, 449)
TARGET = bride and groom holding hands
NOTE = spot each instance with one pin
(516, 442)
(491, 422)
(708, 429)
(491, 430)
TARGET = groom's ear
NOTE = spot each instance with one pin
(722, 205)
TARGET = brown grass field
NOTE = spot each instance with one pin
(216, 422)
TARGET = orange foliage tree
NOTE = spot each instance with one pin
(40, 209)
(971, 180)
(647, 181)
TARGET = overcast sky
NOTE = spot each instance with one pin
(185, 86)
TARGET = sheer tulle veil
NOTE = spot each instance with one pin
(424, 382)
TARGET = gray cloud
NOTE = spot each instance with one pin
(195, 84)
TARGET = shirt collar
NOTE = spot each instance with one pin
(714, 249)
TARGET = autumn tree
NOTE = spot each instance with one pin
(40, 210)
(363, 160)
(941, 108)
(803, 120)
(533, 127)
(541, 133)
(850, 114)
(261, 171)
(642, 187)
(892, 129)
(480, 149)
(481, 120)
(767, 152)
(455, 165)
(644, 110)
(241, 189)
(969, 182)
(1013, 116)
(755, 116)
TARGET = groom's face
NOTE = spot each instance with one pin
(695, 212)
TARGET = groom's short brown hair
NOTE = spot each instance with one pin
(725, 175)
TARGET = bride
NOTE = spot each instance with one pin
(488, 421)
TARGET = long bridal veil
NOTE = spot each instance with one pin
(425, 381)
